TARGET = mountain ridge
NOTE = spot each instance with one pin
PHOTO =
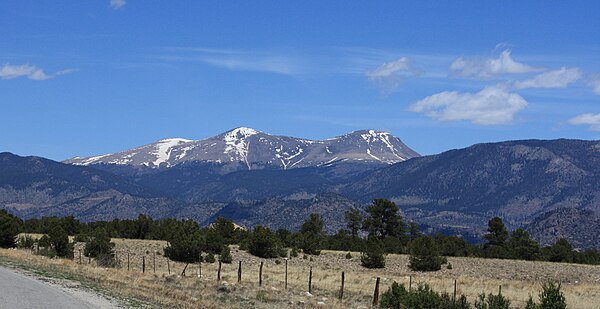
(255, 149)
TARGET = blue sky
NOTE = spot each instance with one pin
(81, 78)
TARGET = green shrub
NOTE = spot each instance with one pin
(492, 302)
(81, 238)
(100, 248)
(425, 255)
(394, 296)
(531, 304)
(373, 255)
(264, 243)
(348, 255)
(209, 258)
(262, 296)
(44, 242)
(10, 226)
(294, 252)
(225, 256)
(59, 240)
(25, 242)
(552, 297)
(423, 297)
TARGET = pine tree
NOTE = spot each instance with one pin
(225, 255)
(354, 220)
(59, 240)
(425, 255)
(373, 254)
(10, 226)
(495, 247)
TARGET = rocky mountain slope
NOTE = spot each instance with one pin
(252, 149)
(516, 180)
(550, 187)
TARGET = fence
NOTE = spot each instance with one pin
(279, 274)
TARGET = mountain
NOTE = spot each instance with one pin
(246, 148)
(517, 180)
(581, 227)
(550, 187)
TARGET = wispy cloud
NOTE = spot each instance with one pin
(483, 68)
(32, 72)
(390, 75)
(117, 4)
(560, 78)
(594, 82)
(591, 120)
(492, 105)
(236, 60)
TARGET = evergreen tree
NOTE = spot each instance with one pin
(186, 244)
(552, 297)
(522, 247)
(10, 226)
(425, 255)
(373, 254)
(354, 219)
(495, 247)
(100, 248)
(311, 234)
(225, 255)
(560, 251)
(383, 220)
(264, 243)
(59, 241)
(413, 231)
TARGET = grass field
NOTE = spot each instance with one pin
(519, 279)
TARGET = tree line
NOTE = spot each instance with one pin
(375, 232)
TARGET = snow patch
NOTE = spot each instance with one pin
(163, 149)
(235, 141)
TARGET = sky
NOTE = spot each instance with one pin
(81, 78)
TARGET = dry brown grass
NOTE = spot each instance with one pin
(519, 279)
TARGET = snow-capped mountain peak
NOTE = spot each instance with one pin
(253, 149)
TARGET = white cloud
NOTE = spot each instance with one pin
(489, 68)
(390, 75)
(560, 78)
(117, 4)
(237, 60)
(491, 106)
(594, 82)
(32, 72)
(593, 120)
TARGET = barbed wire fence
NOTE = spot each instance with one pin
(278, 274)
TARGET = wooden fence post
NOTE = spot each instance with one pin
(376, 294)
(127, 260)
(454, 295)
(116, 259)
(342, 288)
(409, 283)
(260, 274)
(168, 266)
(200, 265)
(143, 264)
(79, 256)
(310, 280)
(286, 272)
(240, 271)
(500, 290)
(219, 272)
